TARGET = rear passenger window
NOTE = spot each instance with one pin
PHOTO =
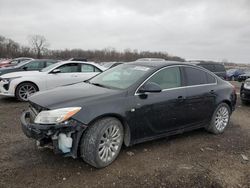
(195, 76)
(210, 79)
(87, 68)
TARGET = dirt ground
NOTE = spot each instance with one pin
(194, 159)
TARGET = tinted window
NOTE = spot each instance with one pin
(167, 78)
(210, 79)
(195, 76)
(208, 67)
(34, 65)
(219, 68)
(68, 68)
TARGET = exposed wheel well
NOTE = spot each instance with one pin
(228, 103)
(126, 128)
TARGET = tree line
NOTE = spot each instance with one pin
(38, 48)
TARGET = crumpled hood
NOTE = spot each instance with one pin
(79, 95)
(20, 73)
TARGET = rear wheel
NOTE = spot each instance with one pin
(220, 119)
(101, 143)
(24, 90)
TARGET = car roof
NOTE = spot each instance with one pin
(205, 63)
(159, 64)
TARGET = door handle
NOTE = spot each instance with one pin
(212, 92)
(180, 98)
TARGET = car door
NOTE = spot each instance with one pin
(158, 113)
(65, 74)
(201, 93)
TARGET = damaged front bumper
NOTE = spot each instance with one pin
(64, 137)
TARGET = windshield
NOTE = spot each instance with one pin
(52, 66)
(120, 77)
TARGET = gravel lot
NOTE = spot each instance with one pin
(194, 159)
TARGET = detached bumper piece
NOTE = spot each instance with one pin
(64, 137)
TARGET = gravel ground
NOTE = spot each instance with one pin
(194, 159)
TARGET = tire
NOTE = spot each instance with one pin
(244, 102)
(24, 90)
(220, 119)
(97, 147)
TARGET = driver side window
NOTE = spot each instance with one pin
(167, 78)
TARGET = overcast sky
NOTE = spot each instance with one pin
(192, 29)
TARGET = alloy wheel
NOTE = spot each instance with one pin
(222, 118)
(25, 91)
(110, 143)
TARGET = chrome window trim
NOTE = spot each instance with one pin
(202, 69)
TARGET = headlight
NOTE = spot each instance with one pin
(56, 116)
(247, 85)
(9, 79)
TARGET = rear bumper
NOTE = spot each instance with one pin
(50, 134)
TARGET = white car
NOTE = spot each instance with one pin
(23, 84)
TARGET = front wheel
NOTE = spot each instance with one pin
(220, 119)
(101, 143)
(24, 90)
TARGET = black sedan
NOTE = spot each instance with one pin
(244, 76)
(245, 92)
(31, 65)
(128, 104)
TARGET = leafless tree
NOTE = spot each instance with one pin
(39, 44)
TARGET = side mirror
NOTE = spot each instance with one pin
(25, 68)
(150, 87)
(55, 71)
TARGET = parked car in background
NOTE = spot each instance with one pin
(151, 59)
(31, 65)
(14, 62)
(109, 65)
(78, 59)
(216, 68)
(128, 104)
(245, 91)
(23, 84)
(233, 74)
(244, 76)
(4, 62)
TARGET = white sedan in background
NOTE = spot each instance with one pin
(23, 84)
